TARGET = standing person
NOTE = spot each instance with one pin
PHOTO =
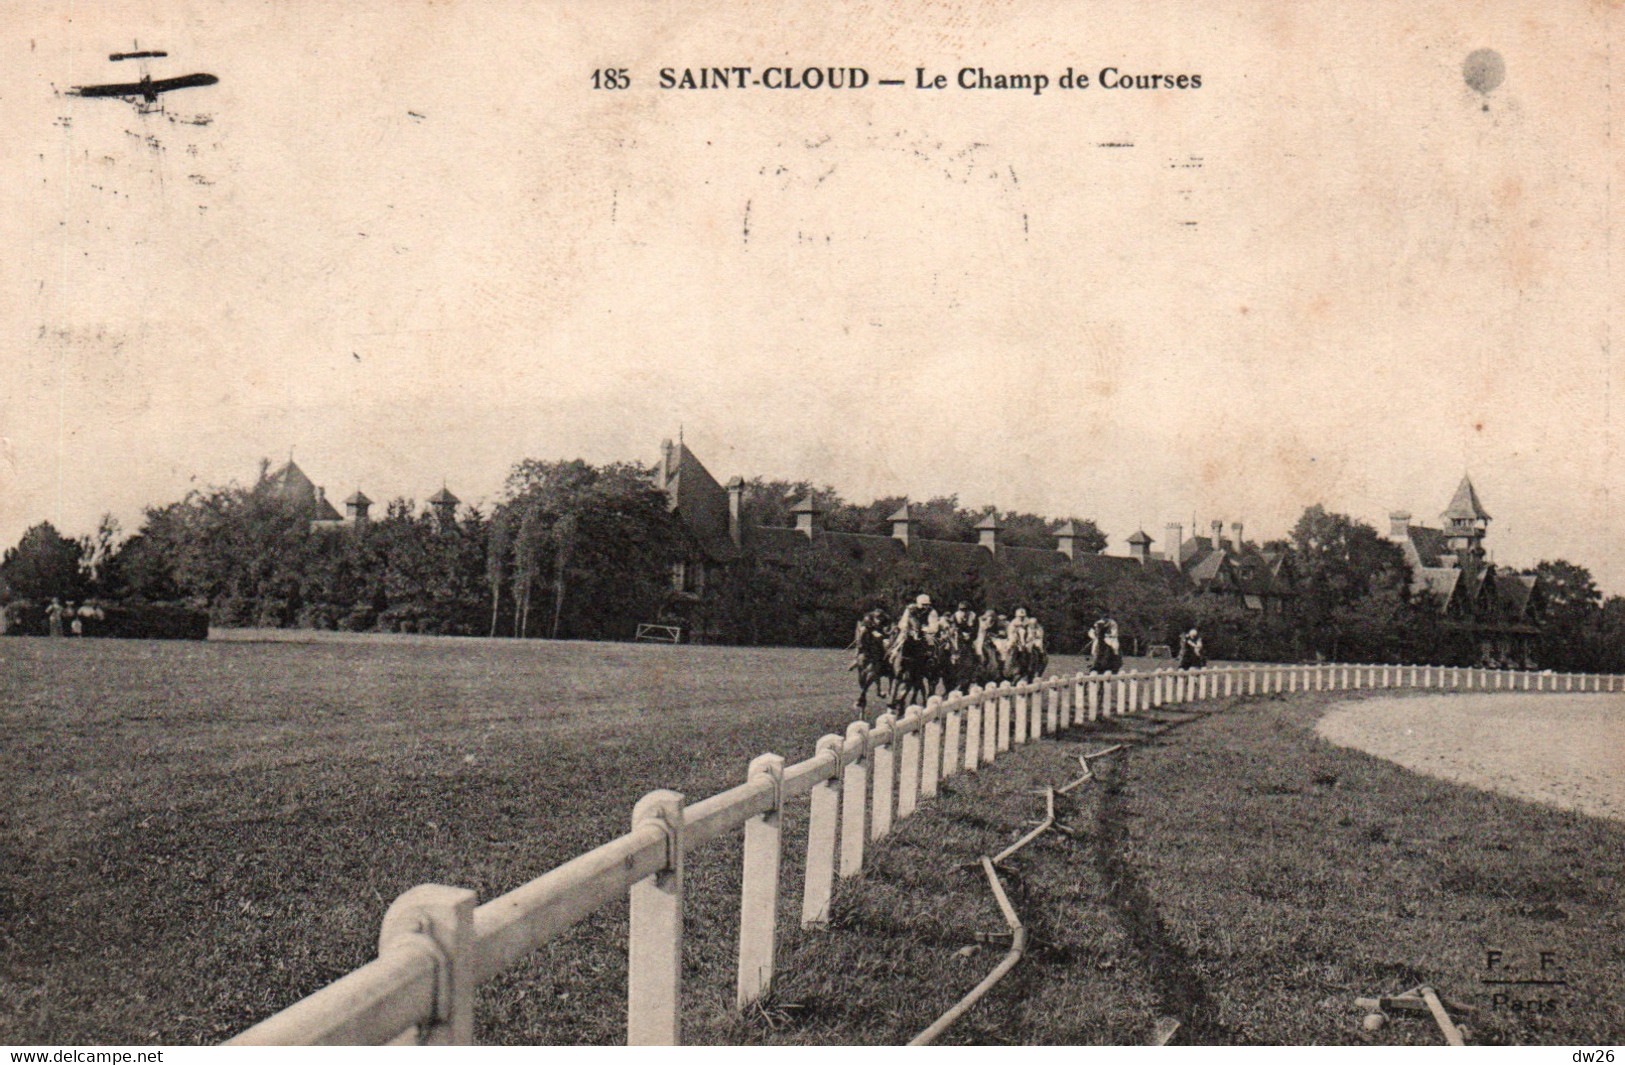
(1190, 650)
(53, 616)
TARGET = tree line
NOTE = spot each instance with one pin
(582, 551)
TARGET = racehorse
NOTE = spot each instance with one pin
(916, 667)
(873, 665)
(1104, 655)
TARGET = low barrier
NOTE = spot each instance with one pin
(436, 946)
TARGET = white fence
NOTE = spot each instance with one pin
(436, 946)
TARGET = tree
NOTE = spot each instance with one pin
(1571, 637)
(44, 565)
(1347, 573)
(600, 539)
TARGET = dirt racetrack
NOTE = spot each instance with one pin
(1563, 750)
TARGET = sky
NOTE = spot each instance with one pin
(410, 244)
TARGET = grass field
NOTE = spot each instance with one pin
(198, 834)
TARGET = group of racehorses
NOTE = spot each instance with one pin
(954, 657)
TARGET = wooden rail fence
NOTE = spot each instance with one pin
(436, 946)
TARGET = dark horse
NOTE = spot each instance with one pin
(871, 661)
(1103, 657)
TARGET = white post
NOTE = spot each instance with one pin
(952, 760)
(909, 777)
(1052, 710)
(973, 729)
(1252, 680)
(654, 969)
(1094, 698)
(884, 756)
(931, 770)
(445, 917)
(1005, 717)
(854, 799)
(759, 888)
(823, 821)
(1021, 701)
(990, 725)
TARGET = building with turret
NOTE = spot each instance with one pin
(1499, 609)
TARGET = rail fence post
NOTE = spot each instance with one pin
(1093, 688)
(759, 887)
(1006, 709)
(1052, 710)
(973, 729)
(442, 919)
(884, 769)
(823, 821)
(654, 970)
(908, 776)
(931, 770)
(854, 799)
(1020, 700)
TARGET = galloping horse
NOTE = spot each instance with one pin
(871, 662)
(1104, 655)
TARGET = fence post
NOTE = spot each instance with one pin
(654, 970)
(759, 887)
(908, 776)
(973, 729)
(444, 916)
(931, 771)
(854, 799)
(1003, 735)
(884, 757)
(823, 819)
(1021, 700)
(1092, 686)
(1052, 710)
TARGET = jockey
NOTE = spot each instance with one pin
(965, 620)
(872, 626)
(1021, 628)
(918, 620)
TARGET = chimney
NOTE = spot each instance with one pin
(736, 505)
(806, 513)
(1139, 546)
(1235, 531)
(1174, 535)
(902, 523)
(1218, 535)
(1066, 539)
(987, 532)
(1399, 525)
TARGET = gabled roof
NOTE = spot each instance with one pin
(1428, 545)
(357, 499)
(1464, 505)
(444, 498)
(903, 513)
(1139, 537)
(1515, 589)
(1440, 580)
(698, 500)
(290, 485)
(990, 521)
